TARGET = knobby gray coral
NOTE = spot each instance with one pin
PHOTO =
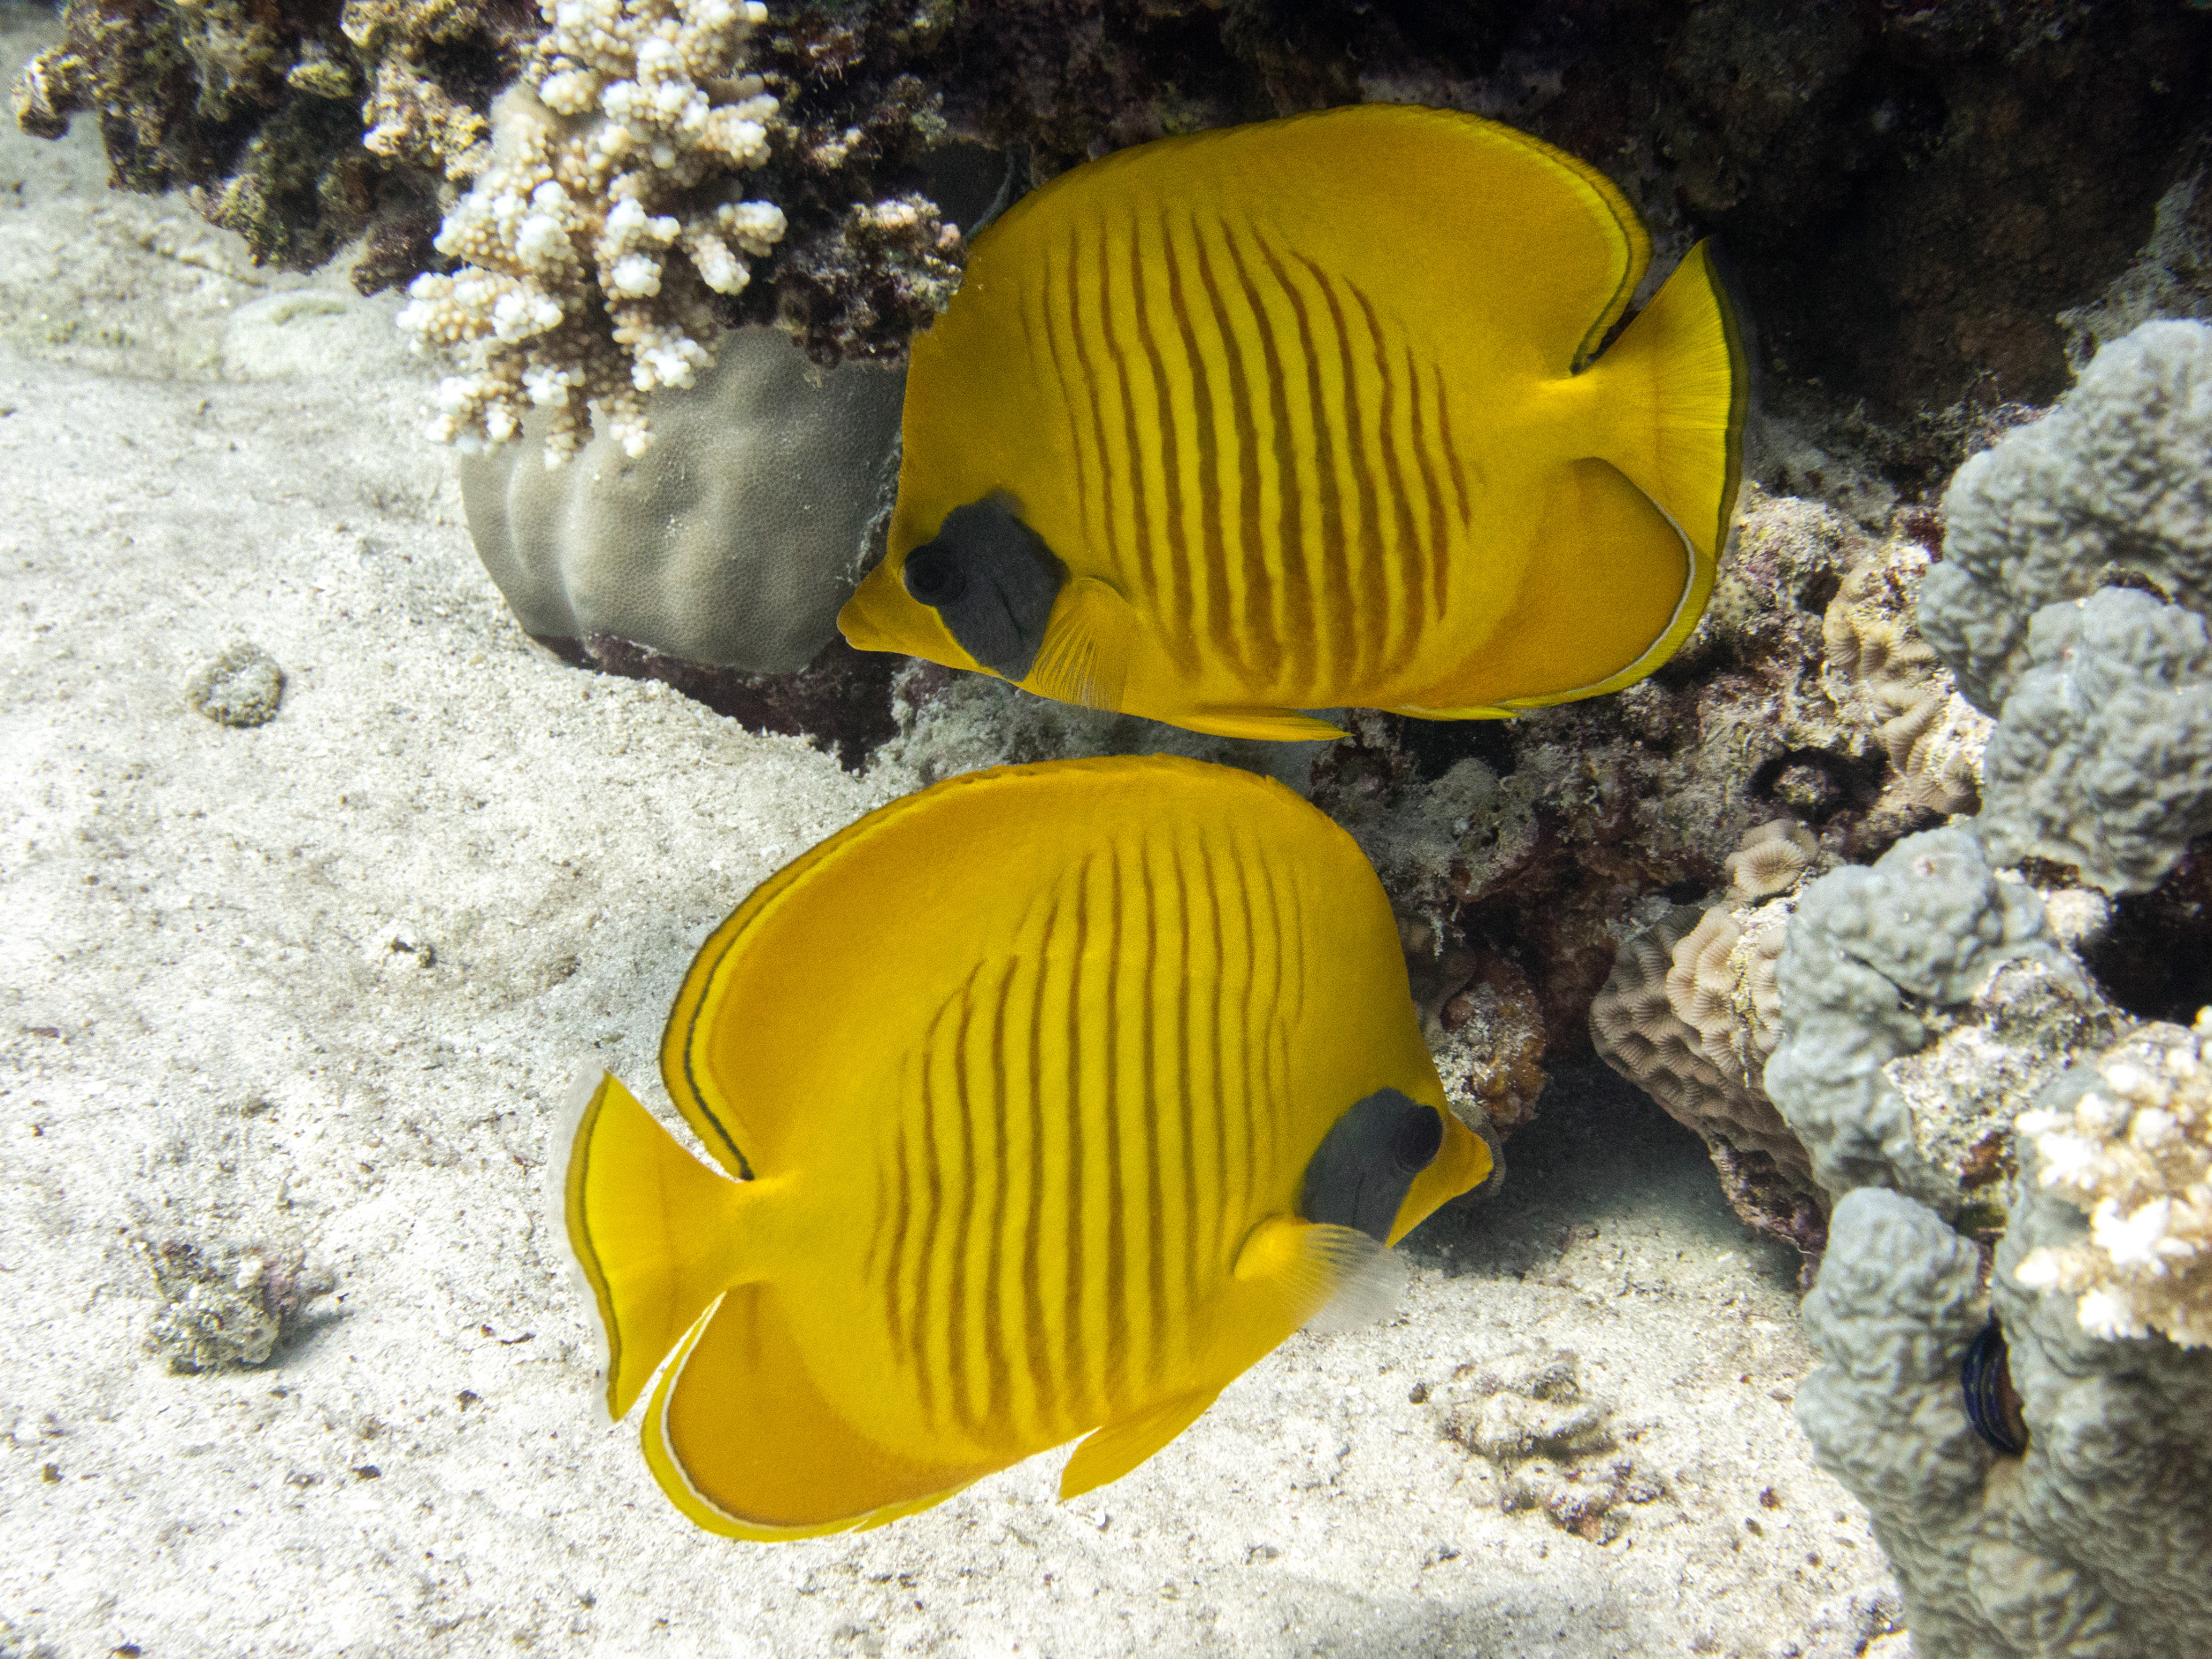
(2092, 1544)
(2112, 487)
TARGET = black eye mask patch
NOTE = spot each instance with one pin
(992, 581)
(1360, 1173)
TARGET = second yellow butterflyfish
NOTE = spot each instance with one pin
(1047, 1101)
(1311, 414)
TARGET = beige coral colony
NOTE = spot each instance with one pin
(585, 276)
(1894, 888)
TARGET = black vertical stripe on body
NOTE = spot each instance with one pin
(1148, 1117)
(1033, 1236)
(1076, 392)
(1120, 1329)
(1184, 1062)
(1451, 450)
(1254, 619)
(1410, 566)
(1142, 545)
(1300, 644)
(1216, 1066)
(1439, 535)
(1221, 606)
(925, 1252)
(894, 1284)
(1282, 1001)
(1079, 332)
(959, 1341)
(1336, 637)
(997, 1317)
(1249, 1029)
(1367, 571)
(1183, 610)
(1077, 1395)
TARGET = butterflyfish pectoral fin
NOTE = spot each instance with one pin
(744, 1444)
(1301, 1266)
(1088, 644)
(1271, 726)
(634, 1207)
(1114, 1450)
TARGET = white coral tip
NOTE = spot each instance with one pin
(2106, 1314)
(2132, 1241)
(634, 276)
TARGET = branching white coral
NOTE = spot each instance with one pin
(588, 261)
(2135, 1153)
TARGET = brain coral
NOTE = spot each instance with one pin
(732, 543)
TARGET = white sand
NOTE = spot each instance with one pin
(320, 983)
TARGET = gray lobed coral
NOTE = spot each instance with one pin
(2102, 755)
(732, 542)
(2103, 759)
(1924, 1003)
(2092, 1544)
(1873, 957)
(2114, 485)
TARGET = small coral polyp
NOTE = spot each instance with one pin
(588, 268)
(2134, 1152)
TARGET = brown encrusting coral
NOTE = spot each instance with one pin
(1949, 176)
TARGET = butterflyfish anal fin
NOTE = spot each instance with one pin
(1114, 1450)
(744, 1444)
(1273, 725)
(649, 1228)
(1085, 658)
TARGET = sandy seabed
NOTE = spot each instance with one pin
(319, 985)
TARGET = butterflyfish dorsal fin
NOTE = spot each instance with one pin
(744, 1444)
(1112, 1452)
(1088, 647)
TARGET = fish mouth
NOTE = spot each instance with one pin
(862, 620)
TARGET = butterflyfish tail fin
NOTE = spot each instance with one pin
(650, 1229)
(1679, 381)
(1085, 657)
(1119, 1446)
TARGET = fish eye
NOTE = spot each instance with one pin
(1420, 1133)
(933, 574)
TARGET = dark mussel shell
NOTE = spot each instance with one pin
(1993, 1404)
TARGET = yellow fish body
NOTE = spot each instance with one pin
(1061, 1094)
(1305, 414)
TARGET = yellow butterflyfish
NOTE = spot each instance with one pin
(1047, 1101)
(1312, 414)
